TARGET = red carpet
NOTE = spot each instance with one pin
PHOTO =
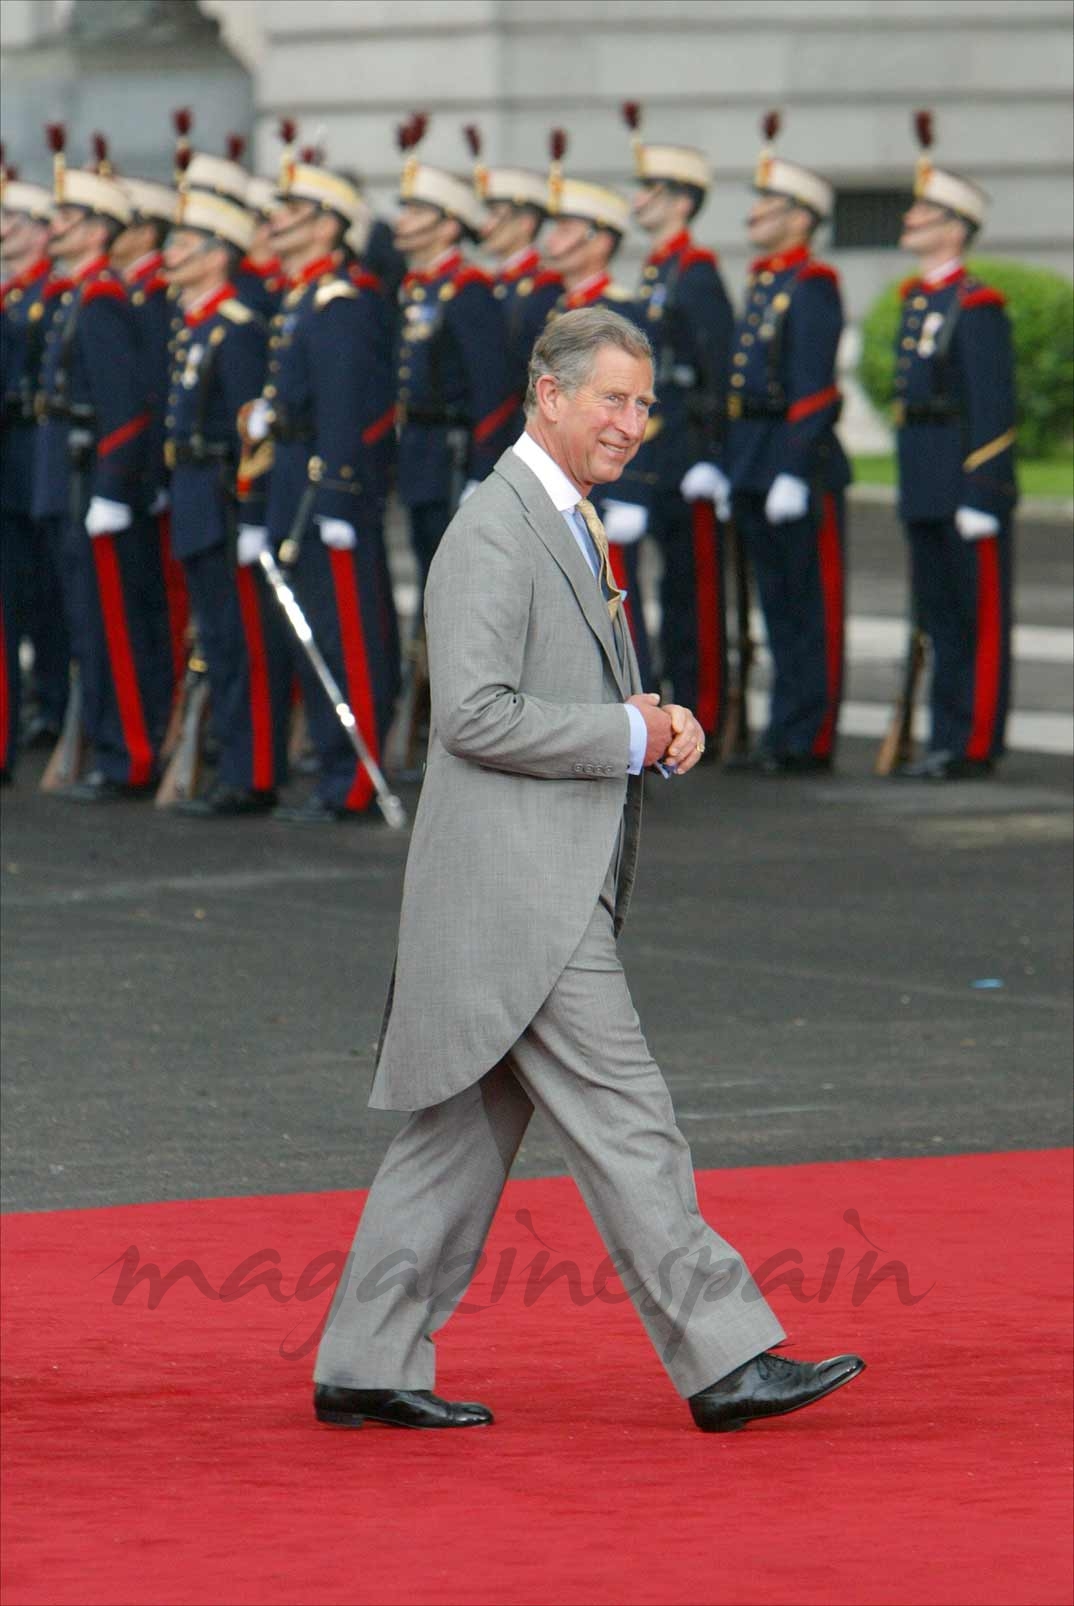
(169, 1455)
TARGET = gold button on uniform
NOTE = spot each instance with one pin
(738, 380)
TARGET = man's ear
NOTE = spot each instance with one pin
(548, 394)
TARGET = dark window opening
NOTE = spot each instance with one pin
(868, 220)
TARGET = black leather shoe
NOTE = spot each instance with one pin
(942, 765)
(315, 812)
(397, 1408)
(769, 1385)
(226, 802)
(98, 788)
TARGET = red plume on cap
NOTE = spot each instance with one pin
(236, 147)
(288, 130)
(183, 158)
(183, 121)
(419, 124)
(11, 172)
(557, 144)
(472, 135)
(100, 154)
(311, 155)
(771, 124)
(631, 111)
(402, 136)
(923, 129)
(56, 134)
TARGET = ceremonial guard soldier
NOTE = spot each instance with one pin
(326, 410)
(516, 206)
(258, 279)
(955, 418)
(218, 358)
(786, 466)
(587, 225)
(137, 258)
(30, 601)
(676, 475)
(260, 273)
(456, 408)
(89, 483)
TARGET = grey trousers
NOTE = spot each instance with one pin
(584, 1062)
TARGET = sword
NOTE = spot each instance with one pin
(389, 805)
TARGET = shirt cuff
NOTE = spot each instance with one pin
(639, 738)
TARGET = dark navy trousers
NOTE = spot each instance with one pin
(962, 595)
(800, 572)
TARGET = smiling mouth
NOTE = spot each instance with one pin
(616, 451)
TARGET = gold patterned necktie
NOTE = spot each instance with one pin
(612, 593)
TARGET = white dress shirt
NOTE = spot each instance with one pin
(565, 497)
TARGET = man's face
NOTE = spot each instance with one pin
(291, 228)
(69, 233)
(774, 223)
(135, 241)
(650, 207)
(419, 227)
(598, 428)
(21, 237)
(567, 238)
(507, 229)
(928, 229)
(186, 258)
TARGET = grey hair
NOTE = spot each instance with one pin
(568, 348)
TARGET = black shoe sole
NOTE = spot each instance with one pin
(732, 1425)
(346, 1419)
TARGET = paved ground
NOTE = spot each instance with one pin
(189, 1009)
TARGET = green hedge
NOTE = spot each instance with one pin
(1041, 308)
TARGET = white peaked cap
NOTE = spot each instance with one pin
(150, 200)
(215, 214)
(261, 195)
(33, 199)
(776, 176)
(80, 187)
(573, 197)
(943, 188)
(516, 185)
(434, 187)
(218, 174)
(677, 164)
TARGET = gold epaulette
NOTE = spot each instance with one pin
(332, 292)
(235, 311)
(616, 292)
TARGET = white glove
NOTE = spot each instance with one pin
(468, 490)
(973, 525)
(707, 483)
(160, 504)
(257, 420)
(338, 534)
(253, 540)
(624, 522)
(104, 517)
(787, 499)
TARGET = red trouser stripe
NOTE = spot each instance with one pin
(263, 775)
(830, 558)
(988, 656)
(6, 744)
(356, 670)
(617, 564)
(176, 596)
(121, 660)
(709, 606)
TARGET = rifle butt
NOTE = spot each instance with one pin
(179, 783)
(65, 760)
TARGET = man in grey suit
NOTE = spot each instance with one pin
(508, 994)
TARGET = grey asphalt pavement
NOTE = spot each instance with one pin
(827, 968)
